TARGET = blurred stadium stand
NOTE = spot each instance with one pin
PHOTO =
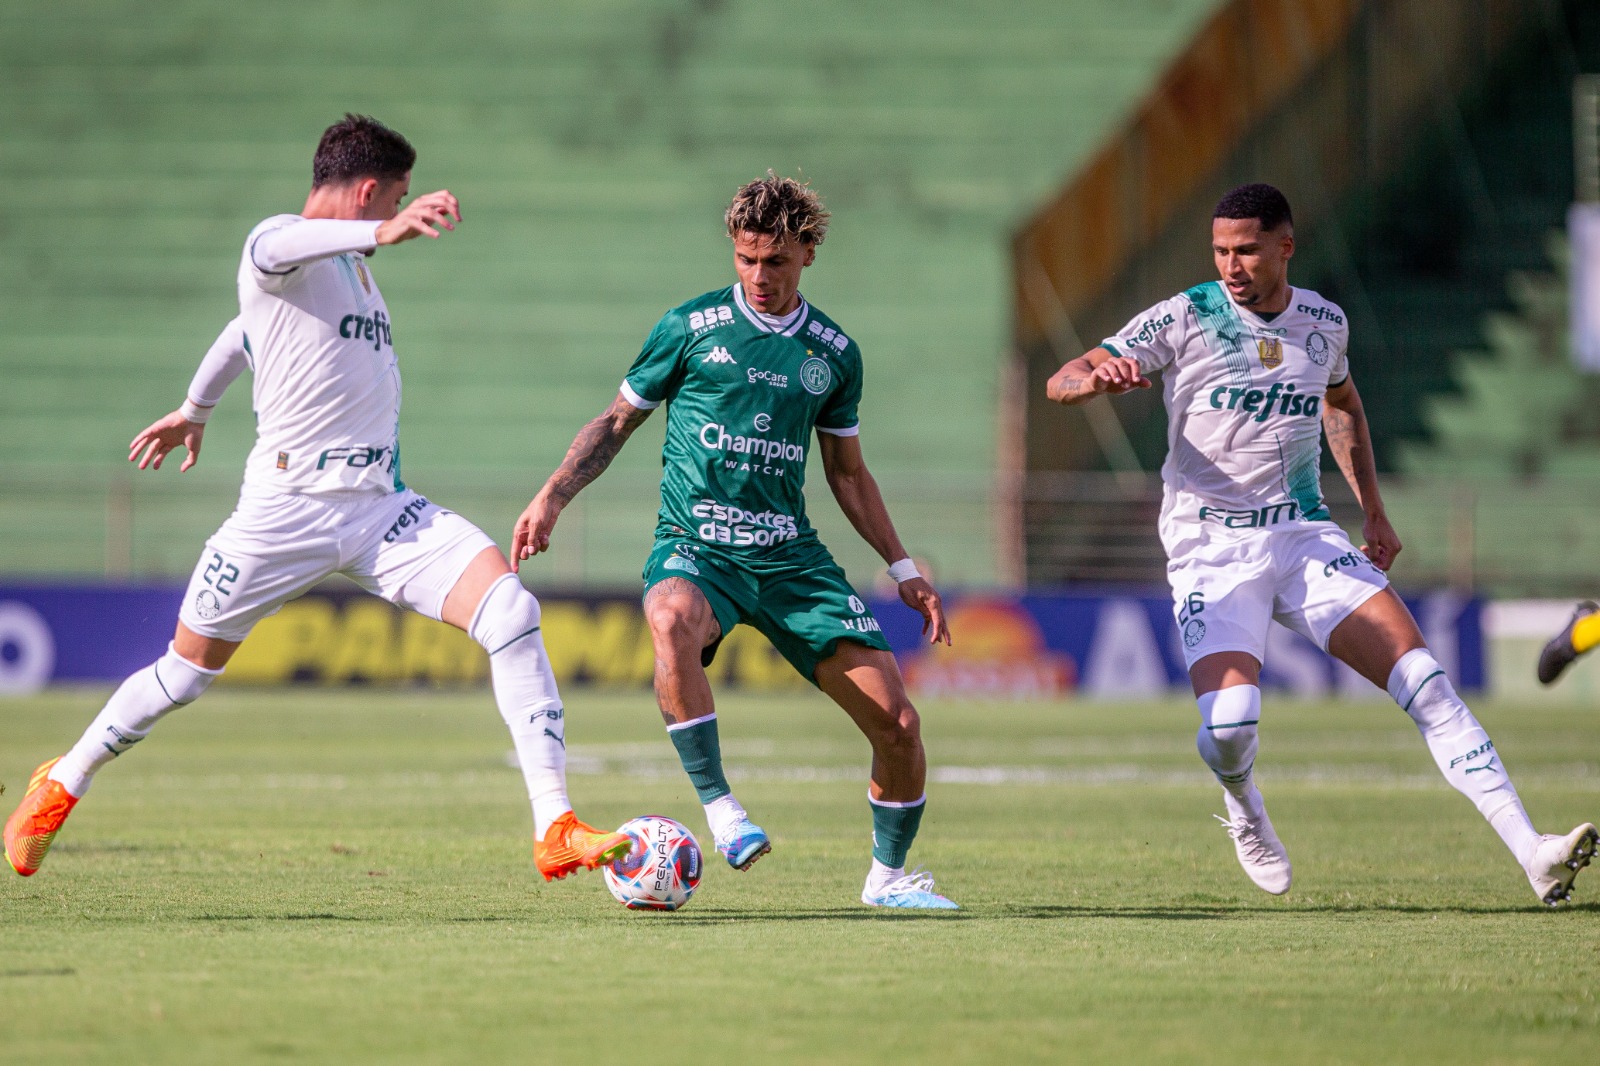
(593, 147)
(1428, 151)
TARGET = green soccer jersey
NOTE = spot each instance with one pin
(743, 396)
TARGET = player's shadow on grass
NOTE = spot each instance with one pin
(822, 914)
(1224, 912)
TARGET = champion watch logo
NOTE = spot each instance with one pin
(719, 354)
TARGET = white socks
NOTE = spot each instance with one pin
(507, 625)
(1460, 747)
(722, 814)
(879, 877)
(129, 715)
(1227, 742)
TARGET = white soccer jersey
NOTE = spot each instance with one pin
(1244, 404)
(327, 383)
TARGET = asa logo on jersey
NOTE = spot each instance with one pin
(828, 335)
(710, 317)
(1321, 314)
(1280, 399)
(1150, 329)
(373, 327)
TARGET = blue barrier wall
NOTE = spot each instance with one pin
(1102, 645)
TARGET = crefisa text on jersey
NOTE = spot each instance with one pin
(373, 327)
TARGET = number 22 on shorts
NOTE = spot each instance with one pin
(221, 574)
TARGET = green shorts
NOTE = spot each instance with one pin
(801, 601)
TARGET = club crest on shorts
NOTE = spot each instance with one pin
(1194, 632)
(206, 604)
(675, 561)
(1271, 351)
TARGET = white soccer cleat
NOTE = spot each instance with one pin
(1260, 852)
(1557, 860)
(913, 890)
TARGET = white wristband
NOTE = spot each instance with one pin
(194, 412)
(904, 570)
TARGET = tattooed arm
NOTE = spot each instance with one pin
(1344, 421)
(592, 451)
(1096, 371)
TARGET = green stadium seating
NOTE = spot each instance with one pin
(593, 147)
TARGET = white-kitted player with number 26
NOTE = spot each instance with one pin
(1254, 372)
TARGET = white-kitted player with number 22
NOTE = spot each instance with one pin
(322, 495)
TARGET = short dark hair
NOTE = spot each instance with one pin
(1261, 202)
(778, 207)
(359, 146)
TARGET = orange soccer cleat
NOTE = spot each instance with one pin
(569, 845)
(37, 819)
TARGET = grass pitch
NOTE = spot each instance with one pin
(312, 876)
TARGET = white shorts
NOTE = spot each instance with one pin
(275, 547)
(1226, 589)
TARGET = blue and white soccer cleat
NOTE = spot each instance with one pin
(743, 844)
(914, 890)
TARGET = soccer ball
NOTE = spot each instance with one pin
(660, 871)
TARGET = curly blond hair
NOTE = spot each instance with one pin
(778, 207)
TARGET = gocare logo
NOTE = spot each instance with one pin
(734, 525)
(1321, 314)
(1150, 329)
(777, 381)
(373, 327)
(1280, 399)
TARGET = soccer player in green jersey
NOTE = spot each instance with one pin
(747, 373)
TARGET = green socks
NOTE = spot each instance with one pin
(894, 827)
(700, 752)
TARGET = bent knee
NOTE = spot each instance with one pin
(680, 621)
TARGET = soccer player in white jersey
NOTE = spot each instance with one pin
(1254, 371)
(322, 495)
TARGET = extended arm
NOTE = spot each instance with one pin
(280, 250)
(1095, 372)
(592, 451)
(857, 492)
(222, 364)
(1344, 421)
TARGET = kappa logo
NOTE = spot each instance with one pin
(711, 316)
(719, 354)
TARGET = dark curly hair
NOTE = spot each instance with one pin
(1261, 202)
(359, 146)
